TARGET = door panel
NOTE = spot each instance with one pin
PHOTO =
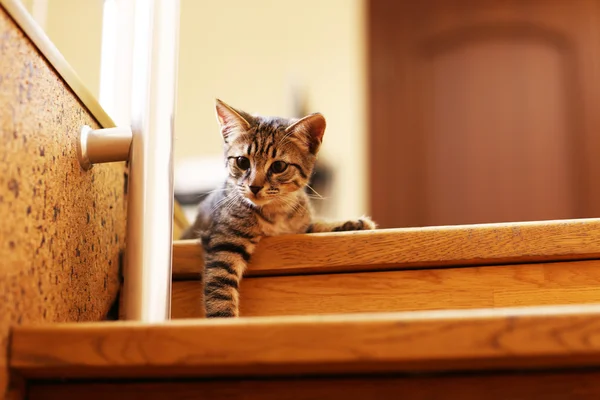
(479, 111)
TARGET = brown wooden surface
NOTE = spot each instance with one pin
(483, 110)
(485, 339)
(406, 248)
(580, 385)
(180, 222)
(388, 291)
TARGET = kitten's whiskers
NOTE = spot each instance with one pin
(314, 191)
(294, 205)
(217, 190)
(313, 197)
(220, 202)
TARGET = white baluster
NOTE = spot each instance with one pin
(139, 63)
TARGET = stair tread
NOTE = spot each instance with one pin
(484, 244)
(430, 341)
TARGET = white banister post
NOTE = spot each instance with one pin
(138, 87)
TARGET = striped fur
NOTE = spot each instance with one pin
(270, 161)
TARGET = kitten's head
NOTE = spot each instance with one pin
(269, 158)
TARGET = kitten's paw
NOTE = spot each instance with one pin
(361, 224)
(368, 223)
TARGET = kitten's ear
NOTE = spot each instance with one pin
(231, 120)
(311, 129)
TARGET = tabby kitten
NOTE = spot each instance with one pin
(270, 161)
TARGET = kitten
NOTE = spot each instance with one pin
(270, 161)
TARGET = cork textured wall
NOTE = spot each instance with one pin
(61, 228)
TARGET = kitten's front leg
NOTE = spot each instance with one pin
(225, 260)
(361, 224)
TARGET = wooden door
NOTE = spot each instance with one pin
(483, 110)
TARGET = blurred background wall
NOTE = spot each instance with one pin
(483, 111)
(75, 27)
(439, 111)
(266, 56)
(278, 58)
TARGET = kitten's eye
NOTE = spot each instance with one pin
(278, 167)
(242, 163)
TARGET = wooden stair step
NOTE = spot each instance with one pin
(413, 342)
(516, 353)
(451, 267)
(406, 290)
(392, 249)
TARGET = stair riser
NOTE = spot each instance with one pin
(548, 386)
(428, 289)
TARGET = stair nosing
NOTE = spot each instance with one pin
(406, 248)
(408, 342)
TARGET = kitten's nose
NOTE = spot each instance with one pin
(255, 189)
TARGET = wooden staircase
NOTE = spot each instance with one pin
(499, 311)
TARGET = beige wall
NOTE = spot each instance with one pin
(69, 19)
(75, 27)
(250, 53)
